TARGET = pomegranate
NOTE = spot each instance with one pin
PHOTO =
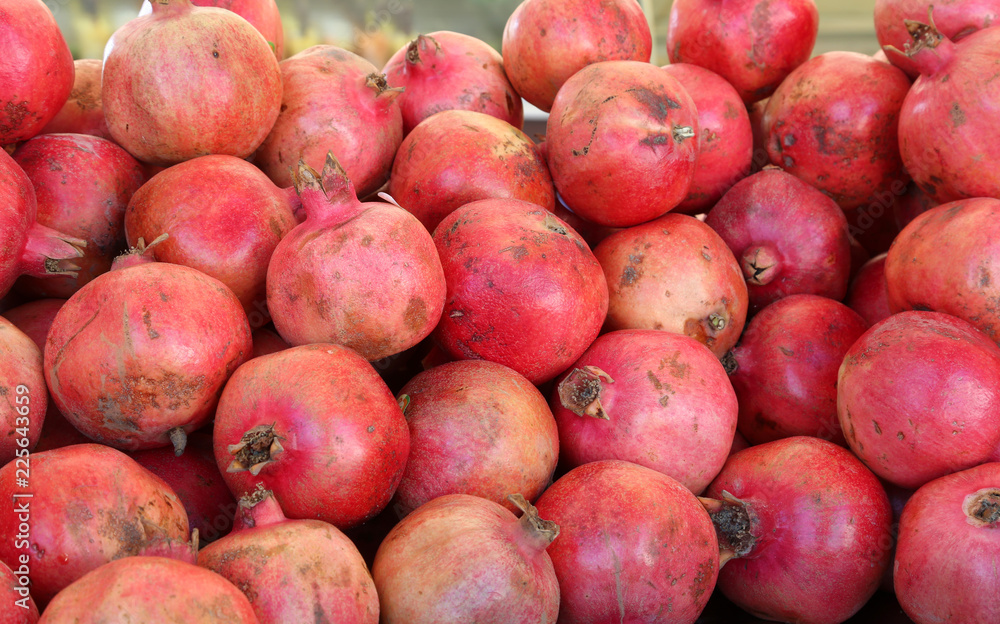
(898, 498)
(447, 70)
(456, 157)
(83, 112)
(739, 443)
(477, 428)
(37, 73)
(634, 119)
(916, 397)
(461, 558)
(364, 275)
(524, 290)
(911, 204)
(875, 226)
(90, 504)
(949, 549)
(804, 527)
(262, 15)
(22, 386)
(654, 398)
(293, 570)
(592, 233)
(222, 216)
(632, 541)
(751, 44)
(318, 427)
(82, 185)
(150, 589)
(186, 81)
(336, 101)
(789, 237)
(760, 157)
(868, 294)
(675, 274)
(266, 341)
(14, 590)
(833, 123)
(786, 367)
(547, 41)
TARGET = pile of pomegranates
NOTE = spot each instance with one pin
(304, 339)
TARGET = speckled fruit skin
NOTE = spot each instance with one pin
(917, 396)
(457, 157)
(833, 123)
(632, 540)
(37, 71)
(344, 436)
(461, 558)
(621, 142)
(786, 368)
(22, 609)
(150, 589)
(83, 112)
(547, 41)
(91, 505)
(476, 427)
(142, 350)
(943, 261)
(868, 294)
(262, 15)
(675, 274)
(446, 70)
(815, 505)
(22, 386)
(668, 406)
(524, 290)
(946, 564)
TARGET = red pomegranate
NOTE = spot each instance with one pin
(868, 294)
(83, 112)
(262, 15)
(22, 385)
(15, 592)
(912, 203)
(266, 341)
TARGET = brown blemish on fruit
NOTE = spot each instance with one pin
(415, 315)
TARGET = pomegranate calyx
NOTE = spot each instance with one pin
(139, 254)
(49, 252)
(730, 363)
(420, 43)
(378, 82)
(580, 392)
(178, 438)
(760, 264)
(983, 508)
(735, 523)
(544, 531)
(257, 448)
(683, 132)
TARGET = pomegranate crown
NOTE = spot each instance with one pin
(332, 183)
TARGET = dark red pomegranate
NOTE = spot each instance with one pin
(22, 386)
(912, 203)
(262, 15)
(83, 112)
(868, 294)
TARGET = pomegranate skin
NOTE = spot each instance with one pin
(632, 540)
(333, 101)
(833, 123)
(91, 504)
(461, 558)
(947, 555)
(648, 135)
(457, 157)
(786, 368)
(341, 447)
(262, 15)
(83, 112)
(447, 70)
(547, 41)
(966, 234)
(722, 35)
(476, 428)
(187, 81)
(868, 294)
(524, 290)
(37, 73)
(22, 609)
(22, 384)
(678, 275)
(659, 396)
(150, 589)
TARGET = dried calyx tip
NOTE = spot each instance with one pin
(178, 438)
(734, 523)
(547, 529)
(257, 448)
(255, 497)
(580, 392)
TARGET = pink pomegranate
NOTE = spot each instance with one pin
(725, 139)
(632, 540)
(477, 428)
(916, 397)
(675, 274)
(868, 294)
(547, 41)
(316, 426)
(648, 135)
(150, 589)
(266, 341)
(947, 557)
(37, 73)
(456, 157)
(82, 185)
(333, 101)
(447, 70)
(461, 558)
(222, 216)
(83, 112)
(786, 367)
(804, 527)
(187, 81)
(262, 15)
(789, 237)
(15, 592)
(293, 570)
(833, 123)
(655, 398)
(524, 290)
(753, 45)
(364, 275)
(90, 505)
(22, 386)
